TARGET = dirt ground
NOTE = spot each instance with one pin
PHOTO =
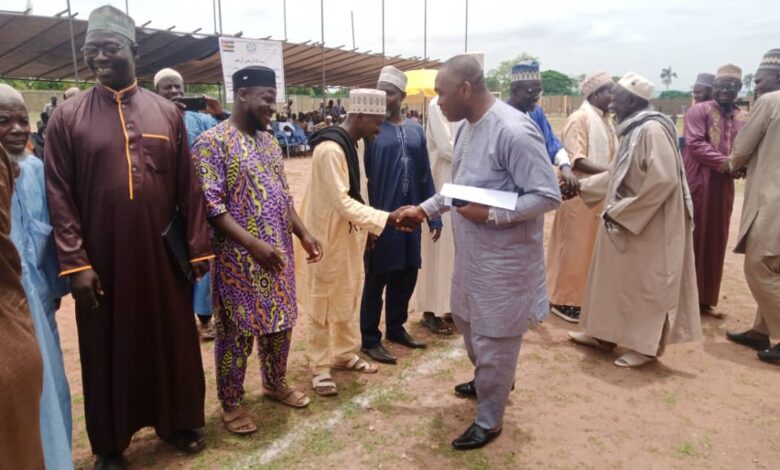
(705, 405)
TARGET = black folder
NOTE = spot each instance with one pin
(175, 237)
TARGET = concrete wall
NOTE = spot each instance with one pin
(36, 100)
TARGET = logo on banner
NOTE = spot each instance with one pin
(229, 46)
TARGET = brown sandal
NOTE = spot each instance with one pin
(238, 422)
(287, 396)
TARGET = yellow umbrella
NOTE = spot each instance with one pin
(421, 82)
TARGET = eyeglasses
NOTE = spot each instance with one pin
(533, 91)
(726, 86)
(108, 50)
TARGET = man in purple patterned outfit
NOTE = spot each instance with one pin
(251, 209)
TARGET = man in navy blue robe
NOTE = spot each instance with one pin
(398, 173)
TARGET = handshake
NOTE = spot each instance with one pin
(407, 218)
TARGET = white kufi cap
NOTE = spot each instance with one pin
(367, 101)
(637, 85)
(393, 76)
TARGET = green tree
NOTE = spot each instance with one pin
(672, 94)
(557, 83)
(747, 80)
(500, 78)
(667, 76)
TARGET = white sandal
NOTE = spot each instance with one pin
(633, 359)
(585, 340)
(324, 385)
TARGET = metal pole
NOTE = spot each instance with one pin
(322, 46)
(219, 6)
(73, 45)
(425, 33)
(352, 14)
(383, 32)
(214, 6)
(127, 7)
(284, 11)
(467, 26)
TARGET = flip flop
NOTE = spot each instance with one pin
(436, 325)
(585, 340)
(633, 359)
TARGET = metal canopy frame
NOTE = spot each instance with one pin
(39, 48)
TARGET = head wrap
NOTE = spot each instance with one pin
(367, 101)
(770, 62)
(108, 18)
(254, 75)
(71, 92)
(729, 71)
(393, 76)
(705, 80)
(593, 83)
(525, 71)
(637, 85)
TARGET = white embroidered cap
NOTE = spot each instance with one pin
(367, 101)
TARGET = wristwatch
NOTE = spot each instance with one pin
(491, 216)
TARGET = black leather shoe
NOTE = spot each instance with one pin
(379, 354)
(113, 461)
(466, 389)
(749, 341)
(405, 340)
(770, 355)
(475, 437)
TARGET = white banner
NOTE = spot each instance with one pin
(237, 53)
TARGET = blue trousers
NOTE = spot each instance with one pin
(400, 287)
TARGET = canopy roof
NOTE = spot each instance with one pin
(38, 47)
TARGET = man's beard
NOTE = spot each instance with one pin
(17, 157)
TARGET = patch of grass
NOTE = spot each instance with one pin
(444, 375)
(384, 401)
(686, 449)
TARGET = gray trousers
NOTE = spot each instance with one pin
(495, 362)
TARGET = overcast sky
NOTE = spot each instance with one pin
(572, 36)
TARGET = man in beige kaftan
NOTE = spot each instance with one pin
(335, 212)
(589, 139)
(641, 292)
(757, 151)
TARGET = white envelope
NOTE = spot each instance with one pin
(489, 197)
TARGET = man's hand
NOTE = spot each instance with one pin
(213, 106)
(86, 288)
(407, 218)
(724, 168)
(267, 256)
(200, 269)
(313, 248)
(474, 212)
(182, 107)
(435, 234)
(568, 182)
(371, 242)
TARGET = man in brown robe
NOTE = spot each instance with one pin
(118, 169)
(641, 292)
(21, 369)
(757, 151)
